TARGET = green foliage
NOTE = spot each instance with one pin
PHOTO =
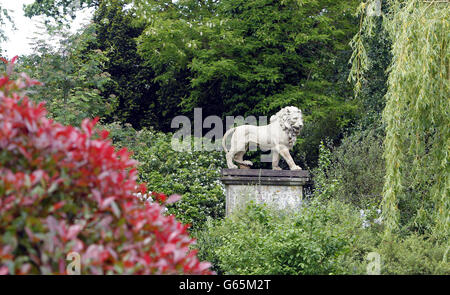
(258, 240)
(4, 18)
(324, 238)
(374, 80)
(227, 57)
(414, 255)
(325, 184)
(369, 61)
(252, 58)
(73, 75)
(354, 171)
(147, 62)
(399, 255)
(208, 239)
(57, 9)
(416, 115)
(131, 81)
(194, 175)
(329, 124)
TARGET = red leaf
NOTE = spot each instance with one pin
(104, 134)
(142, 188)
(13, 60)
(73, 231)
(58, 205)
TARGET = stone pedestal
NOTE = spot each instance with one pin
(280, 189)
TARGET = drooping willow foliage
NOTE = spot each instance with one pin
(417, 112)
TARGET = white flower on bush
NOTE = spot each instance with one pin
(368, 215)
(362, 214)
(147, 198)
(378, 220)
(365, 224)
(144, 197)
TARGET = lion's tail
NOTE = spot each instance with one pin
(224, 138)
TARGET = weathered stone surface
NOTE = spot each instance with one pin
(281, 189)
(266, 173)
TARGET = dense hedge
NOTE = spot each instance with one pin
(322, 238)
(259, 241)
(194, 174)
(353, 172)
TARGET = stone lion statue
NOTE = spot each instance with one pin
(279, 137)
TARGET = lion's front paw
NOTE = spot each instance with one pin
(276, 168)
(247, 163)
(296, 168)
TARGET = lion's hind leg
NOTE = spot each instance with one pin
(239, 158)
(229, 156)
(236, 151)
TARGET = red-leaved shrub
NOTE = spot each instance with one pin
(64, 189)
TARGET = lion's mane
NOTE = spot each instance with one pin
(284, 118)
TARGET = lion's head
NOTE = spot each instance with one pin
(290, 120)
